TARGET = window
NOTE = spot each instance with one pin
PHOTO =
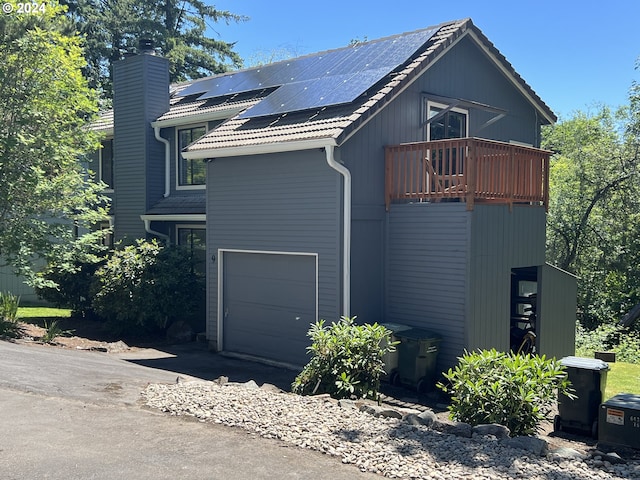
(191, 172)
(107, 229)
(105, 167)
(194, 239)
(451, 124)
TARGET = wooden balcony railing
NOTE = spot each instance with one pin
(469, 169)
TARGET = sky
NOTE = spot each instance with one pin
(574, 53)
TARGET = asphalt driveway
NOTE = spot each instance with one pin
(77, 415)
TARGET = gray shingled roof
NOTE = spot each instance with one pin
(180, 205)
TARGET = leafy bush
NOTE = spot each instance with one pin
(9, 324)
(609, 337)
(145, 287)
(517, 391)
(347, 359)
(70, 287)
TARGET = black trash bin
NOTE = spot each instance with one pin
(417, 355)
(588, 377)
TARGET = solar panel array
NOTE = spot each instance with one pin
(324, 79)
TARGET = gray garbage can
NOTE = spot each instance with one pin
(391, 358)
(417, 355)
(588, 377)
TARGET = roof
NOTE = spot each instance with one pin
(180, 205)
(328, 123)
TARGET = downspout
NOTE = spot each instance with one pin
(167, 162)
(147, 228)
(346, 218)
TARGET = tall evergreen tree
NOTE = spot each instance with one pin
(178, 29)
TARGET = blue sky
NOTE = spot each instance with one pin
(573, 53)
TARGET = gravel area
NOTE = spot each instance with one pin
(392, 447)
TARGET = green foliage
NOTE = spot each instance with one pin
(70, 287)
(177, 28)
(517, 391)
(45, 108)
(9, 324)
(52, 330)
(593, 226)
(609, 337)
(146, 287)
(347, 359)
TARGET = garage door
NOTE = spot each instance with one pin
(268, 302)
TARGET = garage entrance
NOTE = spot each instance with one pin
(268, 301)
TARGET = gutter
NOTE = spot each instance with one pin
(167, 163)
(147, 228)
(346, 218)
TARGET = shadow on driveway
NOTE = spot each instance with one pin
(195, 360)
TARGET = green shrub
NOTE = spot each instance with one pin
(517, 391)
(52, 330)
(9, 324)
(145, 287)
(347, 359)
(69, 288)
(609, 337)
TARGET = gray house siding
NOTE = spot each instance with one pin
(465, 72)
(289, 202)
(557, 312)
(141, 94)
(14, 284)
(426, 282)
(501, 239)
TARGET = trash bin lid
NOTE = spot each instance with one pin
(395, 327)
(584, 363)
(624, 400)
(418, 334)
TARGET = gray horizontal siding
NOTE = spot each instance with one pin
(426, 272)
(287, 202)
(501, 239)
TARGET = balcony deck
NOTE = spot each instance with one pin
(472, 170)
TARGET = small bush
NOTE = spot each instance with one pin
(9, 325)
(145, 287)
(347, 359)
(609, 337)
(517, 391)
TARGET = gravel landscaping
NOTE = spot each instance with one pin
(393, 442)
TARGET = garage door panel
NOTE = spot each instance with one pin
(269, 302)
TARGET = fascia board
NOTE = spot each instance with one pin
(260, 149)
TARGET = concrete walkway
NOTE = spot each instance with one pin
(77, 415)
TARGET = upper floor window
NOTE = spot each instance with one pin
(452, 123)
(191, 172)
(105, 167)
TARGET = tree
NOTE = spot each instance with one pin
(113, 28)
(592, 227)
(45, 107)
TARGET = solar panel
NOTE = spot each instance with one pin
(320, 80)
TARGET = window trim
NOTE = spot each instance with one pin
(177, 130)
(428, 104)
(99, 173)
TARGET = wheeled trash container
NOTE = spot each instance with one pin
(588, 377)
(391, 358)
(417, 355)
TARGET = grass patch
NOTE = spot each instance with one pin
(35, 314)
(622, 378)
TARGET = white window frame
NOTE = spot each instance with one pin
(99, 173)
(179, 156)
(428, 104)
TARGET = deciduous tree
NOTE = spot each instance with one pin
(45, 107)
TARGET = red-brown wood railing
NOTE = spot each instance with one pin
(469, 169)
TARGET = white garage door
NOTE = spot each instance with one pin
(269, 301)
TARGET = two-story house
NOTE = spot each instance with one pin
(399, 180)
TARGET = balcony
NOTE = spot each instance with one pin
(472, 170)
